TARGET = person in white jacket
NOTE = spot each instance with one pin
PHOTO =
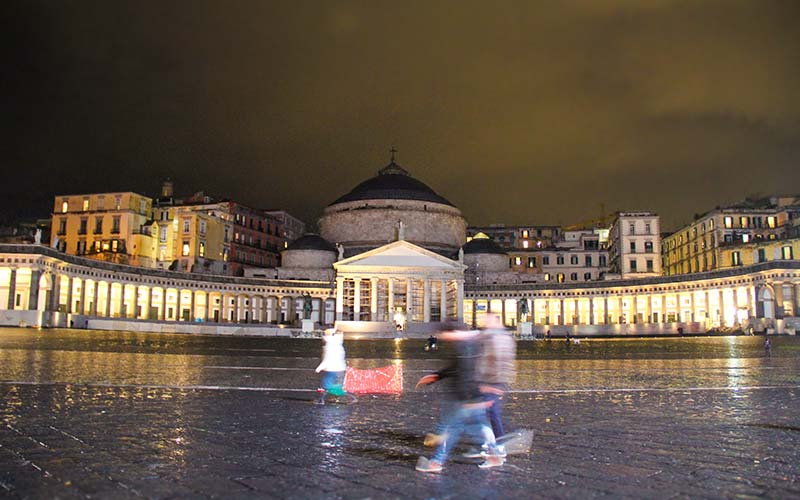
(333, 365)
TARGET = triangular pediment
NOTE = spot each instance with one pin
(399, 254)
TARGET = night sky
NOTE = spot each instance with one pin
(529, 112)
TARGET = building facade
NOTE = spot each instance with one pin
(634, 245)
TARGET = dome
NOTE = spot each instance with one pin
(482, 245)
(311, 241)
(393, 182)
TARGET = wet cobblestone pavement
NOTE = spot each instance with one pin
(123, 415)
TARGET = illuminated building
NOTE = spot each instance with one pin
(708, 243)
(106, 226)
(634, 245)
(518, 237)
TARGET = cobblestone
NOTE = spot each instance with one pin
(123, 424)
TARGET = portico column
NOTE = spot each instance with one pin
(692, 306)
(751, 303)
(503, 311)
(561, 313)
(163, 304)
(149, 302)
(357, 300)
(619, 309)
(390, 298)
(426, 301)
(663, 308)
(33, 290)
(410, 299)
(649, 318)
(605, 311)
(708, 310)
(108, 300)
(547, 311)
(576, 312)
(736, 304)
(443, 305)
(373, 299)
(721, 307)
(12, 290)
(591, 310)
(191, 305)
(634, 309)
(460, 300)
(340, 298)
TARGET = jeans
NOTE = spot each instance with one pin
(460, 419)
(495, 413)
(332, 381)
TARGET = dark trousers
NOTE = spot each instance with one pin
(495, 414)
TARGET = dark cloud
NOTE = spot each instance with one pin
(521, 112)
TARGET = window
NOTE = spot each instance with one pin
(743, 221)
(525, 233)
(560, 277)
(64, 206)
(632, 228)
(762, 255)
(573, 276)
(142, 206)
(185, 248)
(547, 276)
(736, 258)
(649, 265)
(648, 247)
(728, 222)
(587, 276)
(531, 261)
(771, 222)
(86, 204)
(711, 224)
(115, 225)
(202, 249)
(786, 253)
(162, 236)
(227, 234)
(82, 229)
(560, 260)
(62, 226)
(517, 260)
(546, 260)
(647, 227)
(115, 246)
(98, 225)
(633, 247)
(602, 261)
(101, 202)
(202, 227)
(525, 244)
(573, 260)
(187, 224)
(745, 238)
(633, 265)
(588, 261)
(118, 202)
(81, 249)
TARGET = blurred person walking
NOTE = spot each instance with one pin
(468, 412)
(333, 366)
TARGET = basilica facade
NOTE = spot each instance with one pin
(391, 256)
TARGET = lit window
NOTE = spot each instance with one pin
(525, 234)
(64, 206)
(560, 277)
(743, 221)
(118, 202)
(745, 238)
(185, 250)
(547, 276)
(525, 244)
(786, 253)
(531, 261)
(771, 222)
(86, 204)
(736, 258)
(728, 222)
(711, 224)
(202, 249)
(517, 261)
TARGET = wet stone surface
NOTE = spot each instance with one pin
(123, 415)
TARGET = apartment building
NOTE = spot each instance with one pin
(634, 248)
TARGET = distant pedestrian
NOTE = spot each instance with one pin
(333, 366)
(547, 335)
(767, 347)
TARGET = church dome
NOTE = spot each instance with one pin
(393, 182)
(482, 245)
(310, 241)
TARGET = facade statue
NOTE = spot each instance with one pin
(308, 305)
(37, 238)
(461, 255)
(401, 230)
(522, 309)
(340, 248)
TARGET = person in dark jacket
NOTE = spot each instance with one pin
(469, 406)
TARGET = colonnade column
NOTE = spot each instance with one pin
(561, 316)
(82, 298)
(634, 309)
(339, 298)
(33, 290)
(649, 318)
(207, 314)
(721, 308)
(443, 302)
(95, 297)
(373, 299)
(576, 312)
(591, 310)
(149, 302)
(163, 314)
(191, 306)
(108, 299)
(426, 301)
(460, 301)
(55, 293)
(547, 311)
(663, 308)
(12, 289)
(778, 287)
(605, 311)
(708, 311)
